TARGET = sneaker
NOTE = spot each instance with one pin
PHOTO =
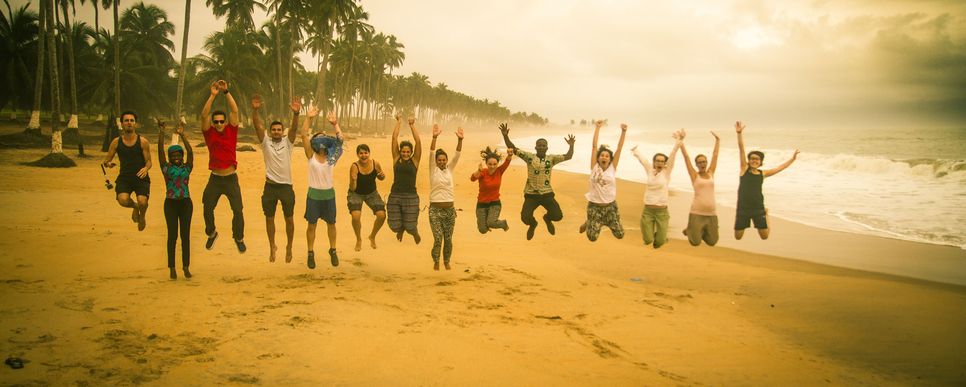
(211, 241)
(241, 246)
(311, 260)
(530, 231)
(333, 257)
(550, 228)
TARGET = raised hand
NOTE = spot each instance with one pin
(680, 134)
(180, 129)
(398, 117)
(623, 127)
(599, 123)
(332, 119)
(256, 102)
(313, 111)
(296, 104)
(509, 152)
(570, 139)
(504, 129)
(459, 133)
(214, 88)
(436, 130)
(739, 127)
(715, 135)
(222, 85)
(412, 121)
(795, 155)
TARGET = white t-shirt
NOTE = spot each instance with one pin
(320, 174)
(441, 180)
(278, 159)
(656, 192)
(603, 185)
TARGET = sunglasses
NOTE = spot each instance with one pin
(219, 122)
(128, 120)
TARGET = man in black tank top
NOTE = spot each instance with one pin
(134, 154)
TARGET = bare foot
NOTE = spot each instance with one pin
(583, 228)
(358, 244)
(288, 254)
(685, 232)
(372, 241)
(142, 222)
(399, 236)
(271, 254)
(417, 238)
(134, 215)
(446, 265)
(436, 266)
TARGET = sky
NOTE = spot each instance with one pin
(698, 64)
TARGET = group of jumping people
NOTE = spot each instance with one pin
(402, 206)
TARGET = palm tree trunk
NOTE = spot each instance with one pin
(72, 126)
(278, 64)
(97, 22)
(293, 40)
(320, 99)
(55, 138)
(33, 126)
(117, 66)
(178, 112)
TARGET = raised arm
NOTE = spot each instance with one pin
(232, 105)
(256, 120)
(307, 133)
(417, 144)
(335, 123)
(205, 118)
(436, 132)
(459, 149)
(739, 127)
(571, 140)
(505, 130)
(669, 166)
(506, 162)
(646, 164)
(620, 145)
(687, 162)
(161, 159)
(296, 107)
(714, 155)
(395, 139)
(593, 146)
(781, 167)
(189, 154)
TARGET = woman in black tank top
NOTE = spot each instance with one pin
(402, 208)
(362, 190)
(751, 201)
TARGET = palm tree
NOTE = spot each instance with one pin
(56, 140)
(326, 17)
(72, 127)
(33, 127)
(234, 56)
(239, 11)
(18, 40)
(145, 30)
(117, 65)
(178, 106)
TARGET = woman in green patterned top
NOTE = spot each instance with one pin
(177, 202)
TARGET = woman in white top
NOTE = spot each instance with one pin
(602, 192)
(442, 215)
(323, 152)
(703, 219)
(655, 218)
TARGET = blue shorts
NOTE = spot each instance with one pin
(320, 209)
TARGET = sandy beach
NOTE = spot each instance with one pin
(86, 298)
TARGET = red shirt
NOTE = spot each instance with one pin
(490, 184)
(221, 147)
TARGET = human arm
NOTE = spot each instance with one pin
(417, 144)
(335, 123)
(571, 140)
(436, 133)
(739, 127)
(205, 118)
(459, 149)
(306, 131)
(679, 137)
(477, 173)
(256, 121)
(296, 106)
(620, 145)
(781, 167)
(232, 105)
(714, 155)
(146, 151)
(353, 176)
(506, 162)
(646, 164)
(379, 173)
(110, 154)
(395, 139)
(189, 154)
(593, 146)
(505, 130)
(687, 162)
(161, 159)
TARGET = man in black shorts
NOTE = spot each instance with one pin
(134, 154)
(277, 149)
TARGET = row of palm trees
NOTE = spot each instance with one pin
(353, 73)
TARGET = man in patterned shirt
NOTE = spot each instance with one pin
(538, 192)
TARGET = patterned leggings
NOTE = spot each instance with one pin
(606, 215)
(442, 221)
(402, 212)
(488, 216)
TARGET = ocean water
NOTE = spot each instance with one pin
(905, 184)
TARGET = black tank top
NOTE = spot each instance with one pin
(749, 191)
(405, 176)
(131, 157)
(365, 184)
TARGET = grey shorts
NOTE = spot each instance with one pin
(372, 199)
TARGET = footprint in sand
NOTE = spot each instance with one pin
(231, 279)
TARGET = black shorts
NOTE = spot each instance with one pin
(372, 200)
(127, 184)
(320, 209)
(744, 218)
(275, 193)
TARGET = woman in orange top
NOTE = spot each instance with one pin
(488, 201)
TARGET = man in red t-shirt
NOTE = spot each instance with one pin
(221, 137)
